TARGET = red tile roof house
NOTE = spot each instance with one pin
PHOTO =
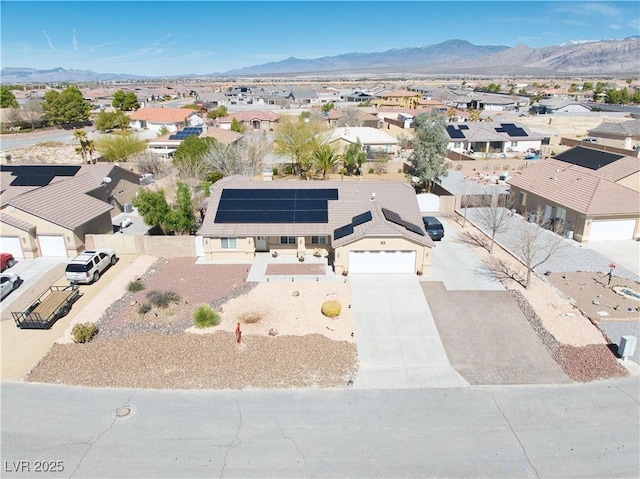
(251, 119)
(46, 210)
(173, 118)
(595, 194)
(166, 147)
(364, 226)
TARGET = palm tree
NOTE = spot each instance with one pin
(324, 157)
(353, 157)
(81, 137)
(474, 114)
(90, 147)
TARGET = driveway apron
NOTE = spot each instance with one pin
(398, 343)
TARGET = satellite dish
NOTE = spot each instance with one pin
(415, 179)
(106, 180)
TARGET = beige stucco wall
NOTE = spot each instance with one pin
(244, 251)
(383, 243)
(161, 246)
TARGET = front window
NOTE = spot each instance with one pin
(457, 144)
(319, 240)
(514, 144)
(229, 243)
(287, 240)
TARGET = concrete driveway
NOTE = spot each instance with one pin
(30, 271)
(398, 343)
(624, 253)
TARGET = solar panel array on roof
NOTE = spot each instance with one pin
(38, 175)
(511, 129)
(588, 157)
(186, 133)
(395, 218)
(274, 205)
(454, 132)
(463, 127)
(347, 229)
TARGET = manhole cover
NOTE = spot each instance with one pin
(124, 412)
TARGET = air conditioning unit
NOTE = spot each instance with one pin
(128, 208)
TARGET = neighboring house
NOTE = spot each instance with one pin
(363, 226)
(558, 105)
(493, 102)
(373, 140)
(491, 137)
(212, 100)
(594, 194)
(620, 135)
(251, 119)
(48, 209)
(397, 99)
(357, 97)
(336, 117)
(172, 118)
(303, 97)
(166, 145)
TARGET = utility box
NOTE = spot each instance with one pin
(627, 346)
(128, 208)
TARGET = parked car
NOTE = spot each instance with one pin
(590, 140)
(434, 228)
(9, 282)
(88, 266)
(7, 260)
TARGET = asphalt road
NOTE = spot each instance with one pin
(581, 431)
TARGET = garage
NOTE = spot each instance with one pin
(382, 262)
(11, 244)
(612, 230)
(52, 245)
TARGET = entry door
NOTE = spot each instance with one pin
(261, 243)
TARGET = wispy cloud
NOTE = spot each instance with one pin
(74, 41)
(48, 40)
(590, 9)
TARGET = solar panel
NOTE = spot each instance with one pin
(395, 218)
(174, 137)
(454, 133)
(38, 175)
(362, 218)
(32, 180)
(463, 127)
(511, 129)
(343, 231)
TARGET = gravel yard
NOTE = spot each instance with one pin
(159, 350)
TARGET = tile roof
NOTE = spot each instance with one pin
(17, 222)
(366, 135)
(65, 202)
(354, 199)
(620, 169)
(486, 131)
(162, 115)
(577, 188)
(626, 129)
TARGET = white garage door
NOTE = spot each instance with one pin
(376, 262)
(11, 244)
(612, 230)
(52, 245)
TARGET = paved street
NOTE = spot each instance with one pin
(581, 431)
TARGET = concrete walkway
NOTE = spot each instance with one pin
(398, 344)
(262, 260)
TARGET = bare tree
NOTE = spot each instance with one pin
(33, 111)
(536, 245)
(243, 158)
(149, 162)
(495, 218)
(350, 117)
(14, 116)
(467, 192)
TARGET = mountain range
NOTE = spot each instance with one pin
(452, 57)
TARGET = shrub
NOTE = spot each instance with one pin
(331, 309)
(162, 299)
(135, 286)
(288, 169)
(144, 308)
(250, 318)
(83, 332)
(205, 317)
(371, 171)
(274, 170)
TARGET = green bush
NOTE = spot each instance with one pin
(135, 286)
(144, 308)
(331, 309)
(205, 317)
(274, 170)
(371, 171)
(83, 332)
(162, 299)
(288, 169)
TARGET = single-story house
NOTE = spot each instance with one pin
(373, 140)
(48, 209)
(252, 119)
(166, 145)
(172, 118)
(619, 135)
(558, 105)
(361, 226)
(338, 117)
(491, 137)
(594, 194)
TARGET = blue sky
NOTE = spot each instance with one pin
(180, 37)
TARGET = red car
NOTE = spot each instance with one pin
(7, 261)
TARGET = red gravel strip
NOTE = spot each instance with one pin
(589, 363)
